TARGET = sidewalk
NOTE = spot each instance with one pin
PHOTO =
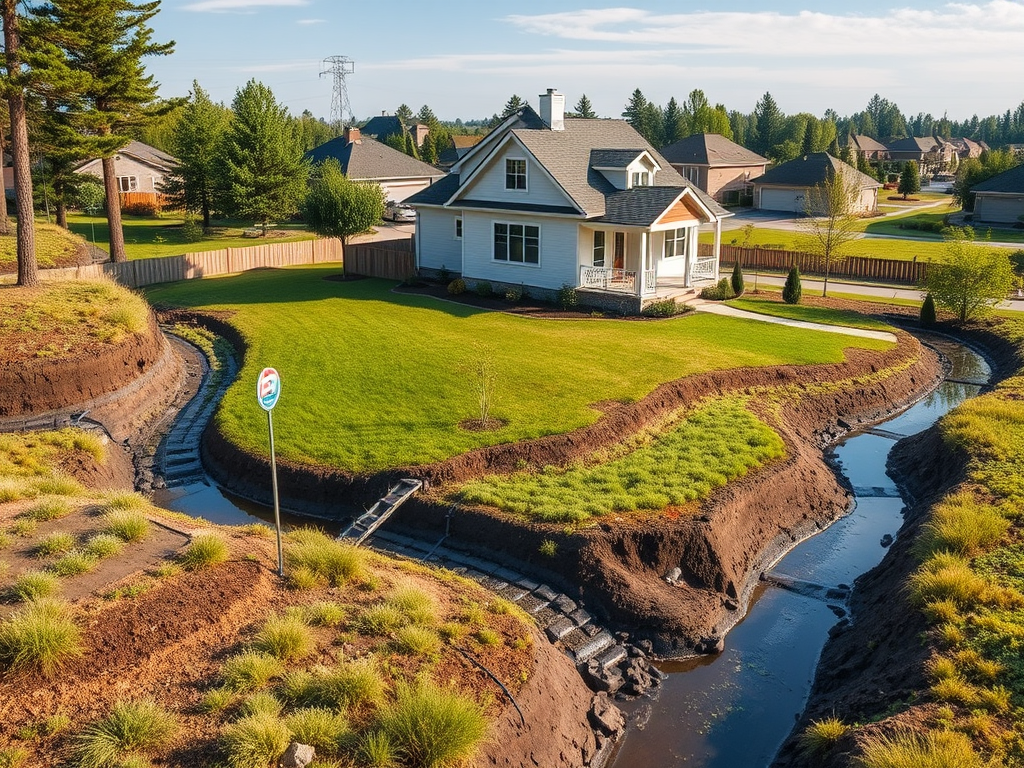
(717, 308)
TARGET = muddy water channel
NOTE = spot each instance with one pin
(735, 709)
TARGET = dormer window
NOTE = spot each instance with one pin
(641, 179)
(515, 173)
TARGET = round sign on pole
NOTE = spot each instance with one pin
(268, 389)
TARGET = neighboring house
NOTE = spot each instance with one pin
(384, 126)
(459, 147)
(716, 165)
(364, 159)
(785, 187)
(546, 201)
(866, 147)
(139, 168)
(968, 148)
(929, 152)
(1000, 200)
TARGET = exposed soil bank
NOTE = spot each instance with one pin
(618, 567)
(877, 662)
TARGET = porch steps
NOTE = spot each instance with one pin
(371, 520)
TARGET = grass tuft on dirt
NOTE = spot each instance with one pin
(41, 637)
(205, 551)
(131, 730)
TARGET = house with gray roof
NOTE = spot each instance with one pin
(718, 166)
(545, 201)
(1000, 200)
(139, 168)
(365, 159)
(930, 153)
(866, 147)
(785, 187)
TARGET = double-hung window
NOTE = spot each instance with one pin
(598, 248)
(128, 183)
(516, 243)
(641, 179)
(515, 173)
(458, 227)
(675, 243)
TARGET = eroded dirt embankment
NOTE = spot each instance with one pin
(878, 662)
(618, 566)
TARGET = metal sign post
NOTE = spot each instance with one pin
(268, 390)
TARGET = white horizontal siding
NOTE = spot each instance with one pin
(558, 252)
(490, 184)
(997, 208)
(436, 233)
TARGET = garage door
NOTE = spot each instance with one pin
(398, 191)
(998, 209)
(782, 200)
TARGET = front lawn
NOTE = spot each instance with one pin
(373, 379)
(879, 248)
(776, 308)
(149, 236)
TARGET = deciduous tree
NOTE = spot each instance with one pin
(338, 207)
(263, 164)
(970, 280)
(831, 221)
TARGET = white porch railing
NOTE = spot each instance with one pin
(703, 269)
(650, 282)
(604, 279)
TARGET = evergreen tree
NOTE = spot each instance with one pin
(584, 108)
(654, 121)
(928, 311)
(426, 116)
(636, 112)
(104, 42)
(196, 143)
(337, 207)
(410, 146)
(768, 124)
(512, 106)
(674, 122)
(263, 165)
(833, 148)
(311, 131)
(404, 114)
(792, 289)
(396, 141)
(736, 280)
(428, 152)
(807, 147)
(5, 221)
(910, 180)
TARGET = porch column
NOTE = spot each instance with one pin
(718, 247)
(642, 277)
(688, 265)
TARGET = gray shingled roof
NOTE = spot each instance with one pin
(914, 144)
(1009, 182)
(638, 207)
(383, 126)
(866, 143)
(566, 156)
(613, 158)
(149, 154)
(710, 149)
(812, 169)
(437, 193)
(370, 160)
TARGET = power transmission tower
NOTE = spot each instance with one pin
(338, 67)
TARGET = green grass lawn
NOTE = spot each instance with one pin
(372, 379)
(825, 315)
(149, 236)
(54, 247)
(789, 240)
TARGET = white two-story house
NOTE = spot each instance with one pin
(546, 201)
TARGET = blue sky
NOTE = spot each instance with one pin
(464, 59)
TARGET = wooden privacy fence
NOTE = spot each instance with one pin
(391, 259)
(167, 269)
(855, 267)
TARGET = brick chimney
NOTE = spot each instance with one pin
(352, 135)
(552, 110)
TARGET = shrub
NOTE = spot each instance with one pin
(140, 727)
(792, 289)
(75, 562)
(324, 614)
(335, 561)
(262, 703)
(349, 684)
(934, 749)
(54, 544)
(457, 287)
(34, 585)
(302, 578)
(548, 548)
(324, 729)
(191, 230)
(568, 297)
(205, 551)
(417, 641)
(433, 727)
(284, 638)
(483, 289)
(662, 308)
(736, 280)
(140, 208)
(514, 294)
(126, 524)
(718, 292)
(821, 735)
(928, 311)
(41, 636)
(103, 545)
(52, 508)
(255, 741)
(250, 670)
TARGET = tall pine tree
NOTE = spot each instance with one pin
(768, 126)
(584, 108)
(263, 164)
(196, 142)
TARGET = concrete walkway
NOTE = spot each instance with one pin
(717, 308)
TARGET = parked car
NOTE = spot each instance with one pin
(399, 212)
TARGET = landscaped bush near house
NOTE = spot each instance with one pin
(662, 308)
(793, 288)
(514, 294)
(140, 208)
(568, 298)
(736, 280)
(721, 291)
(928, 311)
(483, 289)
(457, 287)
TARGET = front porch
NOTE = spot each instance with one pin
(647, 284)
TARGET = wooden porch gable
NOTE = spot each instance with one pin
(682, 211)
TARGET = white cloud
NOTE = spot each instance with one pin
(311, 21)
(240, 6)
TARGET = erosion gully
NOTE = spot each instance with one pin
(736, 708)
